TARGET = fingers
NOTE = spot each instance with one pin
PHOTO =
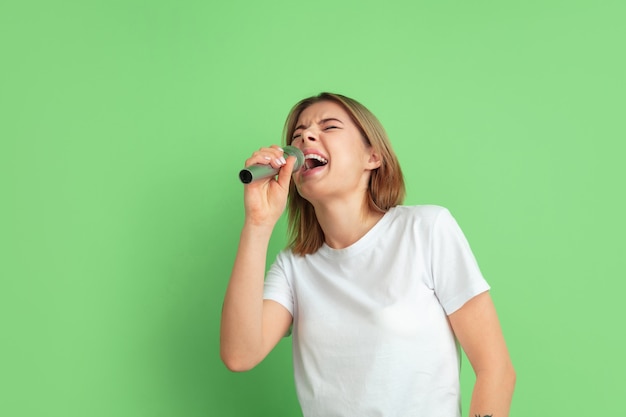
(265, 199)
(284, 175)
(273, 156)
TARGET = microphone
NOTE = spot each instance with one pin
(257, 172)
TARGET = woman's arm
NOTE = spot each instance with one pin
(477, 329)
(251, 326)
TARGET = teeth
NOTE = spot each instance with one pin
(316, 157)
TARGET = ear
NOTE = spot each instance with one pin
(374, 159)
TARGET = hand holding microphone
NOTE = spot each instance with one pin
(260, 171)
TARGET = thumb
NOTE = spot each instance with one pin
(284, 175)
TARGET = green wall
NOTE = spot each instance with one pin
(123, 125)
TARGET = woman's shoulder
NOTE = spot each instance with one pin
(427, 212)
(426, 217)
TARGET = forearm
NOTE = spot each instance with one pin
(242, 313)
(493, 393)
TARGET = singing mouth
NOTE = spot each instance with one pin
(314, 161)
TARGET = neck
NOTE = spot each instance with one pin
(344, 223)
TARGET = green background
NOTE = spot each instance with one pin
(123, 125)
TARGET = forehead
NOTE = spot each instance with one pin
(323, 110)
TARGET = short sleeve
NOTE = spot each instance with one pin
(455, 272)
(277, 286)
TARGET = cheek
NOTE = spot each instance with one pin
(349, 161)
(297, 142)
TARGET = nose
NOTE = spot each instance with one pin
(309, 135)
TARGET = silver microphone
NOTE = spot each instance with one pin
(259, 171)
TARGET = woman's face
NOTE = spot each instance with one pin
(338, 160)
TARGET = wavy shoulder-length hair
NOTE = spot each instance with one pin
(386, 184)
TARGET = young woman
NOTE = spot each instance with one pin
(377, 294)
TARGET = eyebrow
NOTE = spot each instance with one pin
(321, 122)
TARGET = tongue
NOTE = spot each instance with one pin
(313, 163)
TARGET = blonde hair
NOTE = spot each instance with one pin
(386, 184)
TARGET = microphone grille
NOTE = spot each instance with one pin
(293, 151)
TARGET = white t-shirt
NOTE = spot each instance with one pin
(370, 329)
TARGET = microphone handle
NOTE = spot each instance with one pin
(256, 172)
(260, 171)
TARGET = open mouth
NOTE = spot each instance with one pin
(314, 161)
